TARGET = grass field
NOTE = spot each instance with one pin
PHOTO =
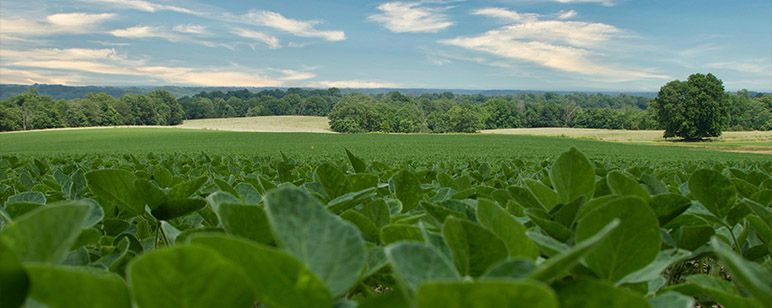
(375, 146)
(298, 124)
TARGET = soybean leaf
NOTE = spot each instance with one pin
(516, 268)
(593, 293)
(356, 163)
(279, 279)
(713, 190)
(188, 276)
(562, 262)
(664, 259)
(45, 234)
(115, 187)
(55, 286)
(481, 294)
(174, 208)
(415, 263)
(334, 181)
(509, 230)
(473, 247)
(671, 300)
(246, 221)
(622, 184)
(572, 176)
(407, 188)
(668, 206)
(14, 280)
(631, 246)
(748, 275)
(329, 246)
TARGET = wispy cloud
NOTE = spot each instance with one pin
(145, 6)
(403, 17)
(304, 28)
(75, 22)
(601, 2)
(562, 45)
(147, 32)
(567, 14)
(50, 63)
(344, 84)
(293, 75)
(269, 40)
(505, 15)
(191, 29)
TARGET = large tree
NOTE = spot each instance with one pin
(692, 109)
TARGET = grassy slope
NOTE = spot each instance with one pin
(375, 146)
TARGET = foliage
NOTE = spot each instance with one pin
(202, 230)
(693, 109)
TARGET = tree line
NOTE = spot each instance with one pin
(356, 112)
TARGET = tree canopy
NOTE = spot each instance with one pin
(693, 109)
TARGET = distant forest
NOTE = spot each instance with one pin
(363, 112)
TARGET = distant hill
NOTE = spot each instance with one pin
(69, 92)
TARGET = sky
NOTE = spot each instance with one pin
(558, 45)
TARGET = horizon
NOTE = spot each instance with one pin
(590, 46)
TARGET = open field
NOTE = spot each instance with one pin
(746, 141)
(296, 124)
(382, 146)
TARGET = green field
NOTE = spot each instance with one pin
(373, 146)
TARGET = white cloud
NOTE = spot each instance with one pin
(12, 76)
(46, 65)
(568, 46)
(293, 75)
(352, 84)
(191, 29)
(296, 27)
(403, 17)
(144, 32)
(601, 2)
(142, 5)
(53, 24)
(758, 66)
(269, 40)
(567, 14)
(504, 14)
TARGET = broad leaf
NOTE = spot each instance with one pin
(509, 230)
(473, 247)
(56, 286)
(481, 294)
(415, 264)
(572, 176)
(713, 190)
(46, 234)
(115, 187)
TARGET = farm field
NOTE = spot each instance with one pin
(204, 218)
(297, 124)
(309, 145)
(742, 141)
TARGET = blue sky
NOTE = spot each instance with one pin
(585, 45)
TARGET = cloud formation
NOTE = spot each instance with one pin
(48, 65)
(601, 2)
(260, 37)
(567, 46)
(75, 22)
(303, 28)
(142, 5)
(344, 84)
(401, 17)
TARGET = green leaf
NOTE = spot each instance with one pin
(517, 268)
(279, 279)
(668, 206)
(115, 187)
(671, 300)
(57, 286)
(716, 288)
(364, 224)
(415, 263)
(664, 259)
(188, 276)
(593, 293)
(713, 190)
(174, 208)
(573, 176)
(45, 234)
(509, 230)
(481, 294)
(407, 189)
(27, 197)
(334, 181)
(628, 248)
(186, 189)
(546, 196)
(246, 221)
(356, 163)
(473, 247)
(329, 246)
(561, 263)
(14, 281)
(749, 276)
(622, 184)
(400, 232)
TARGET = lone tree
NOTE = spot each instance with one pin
(692, 109)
